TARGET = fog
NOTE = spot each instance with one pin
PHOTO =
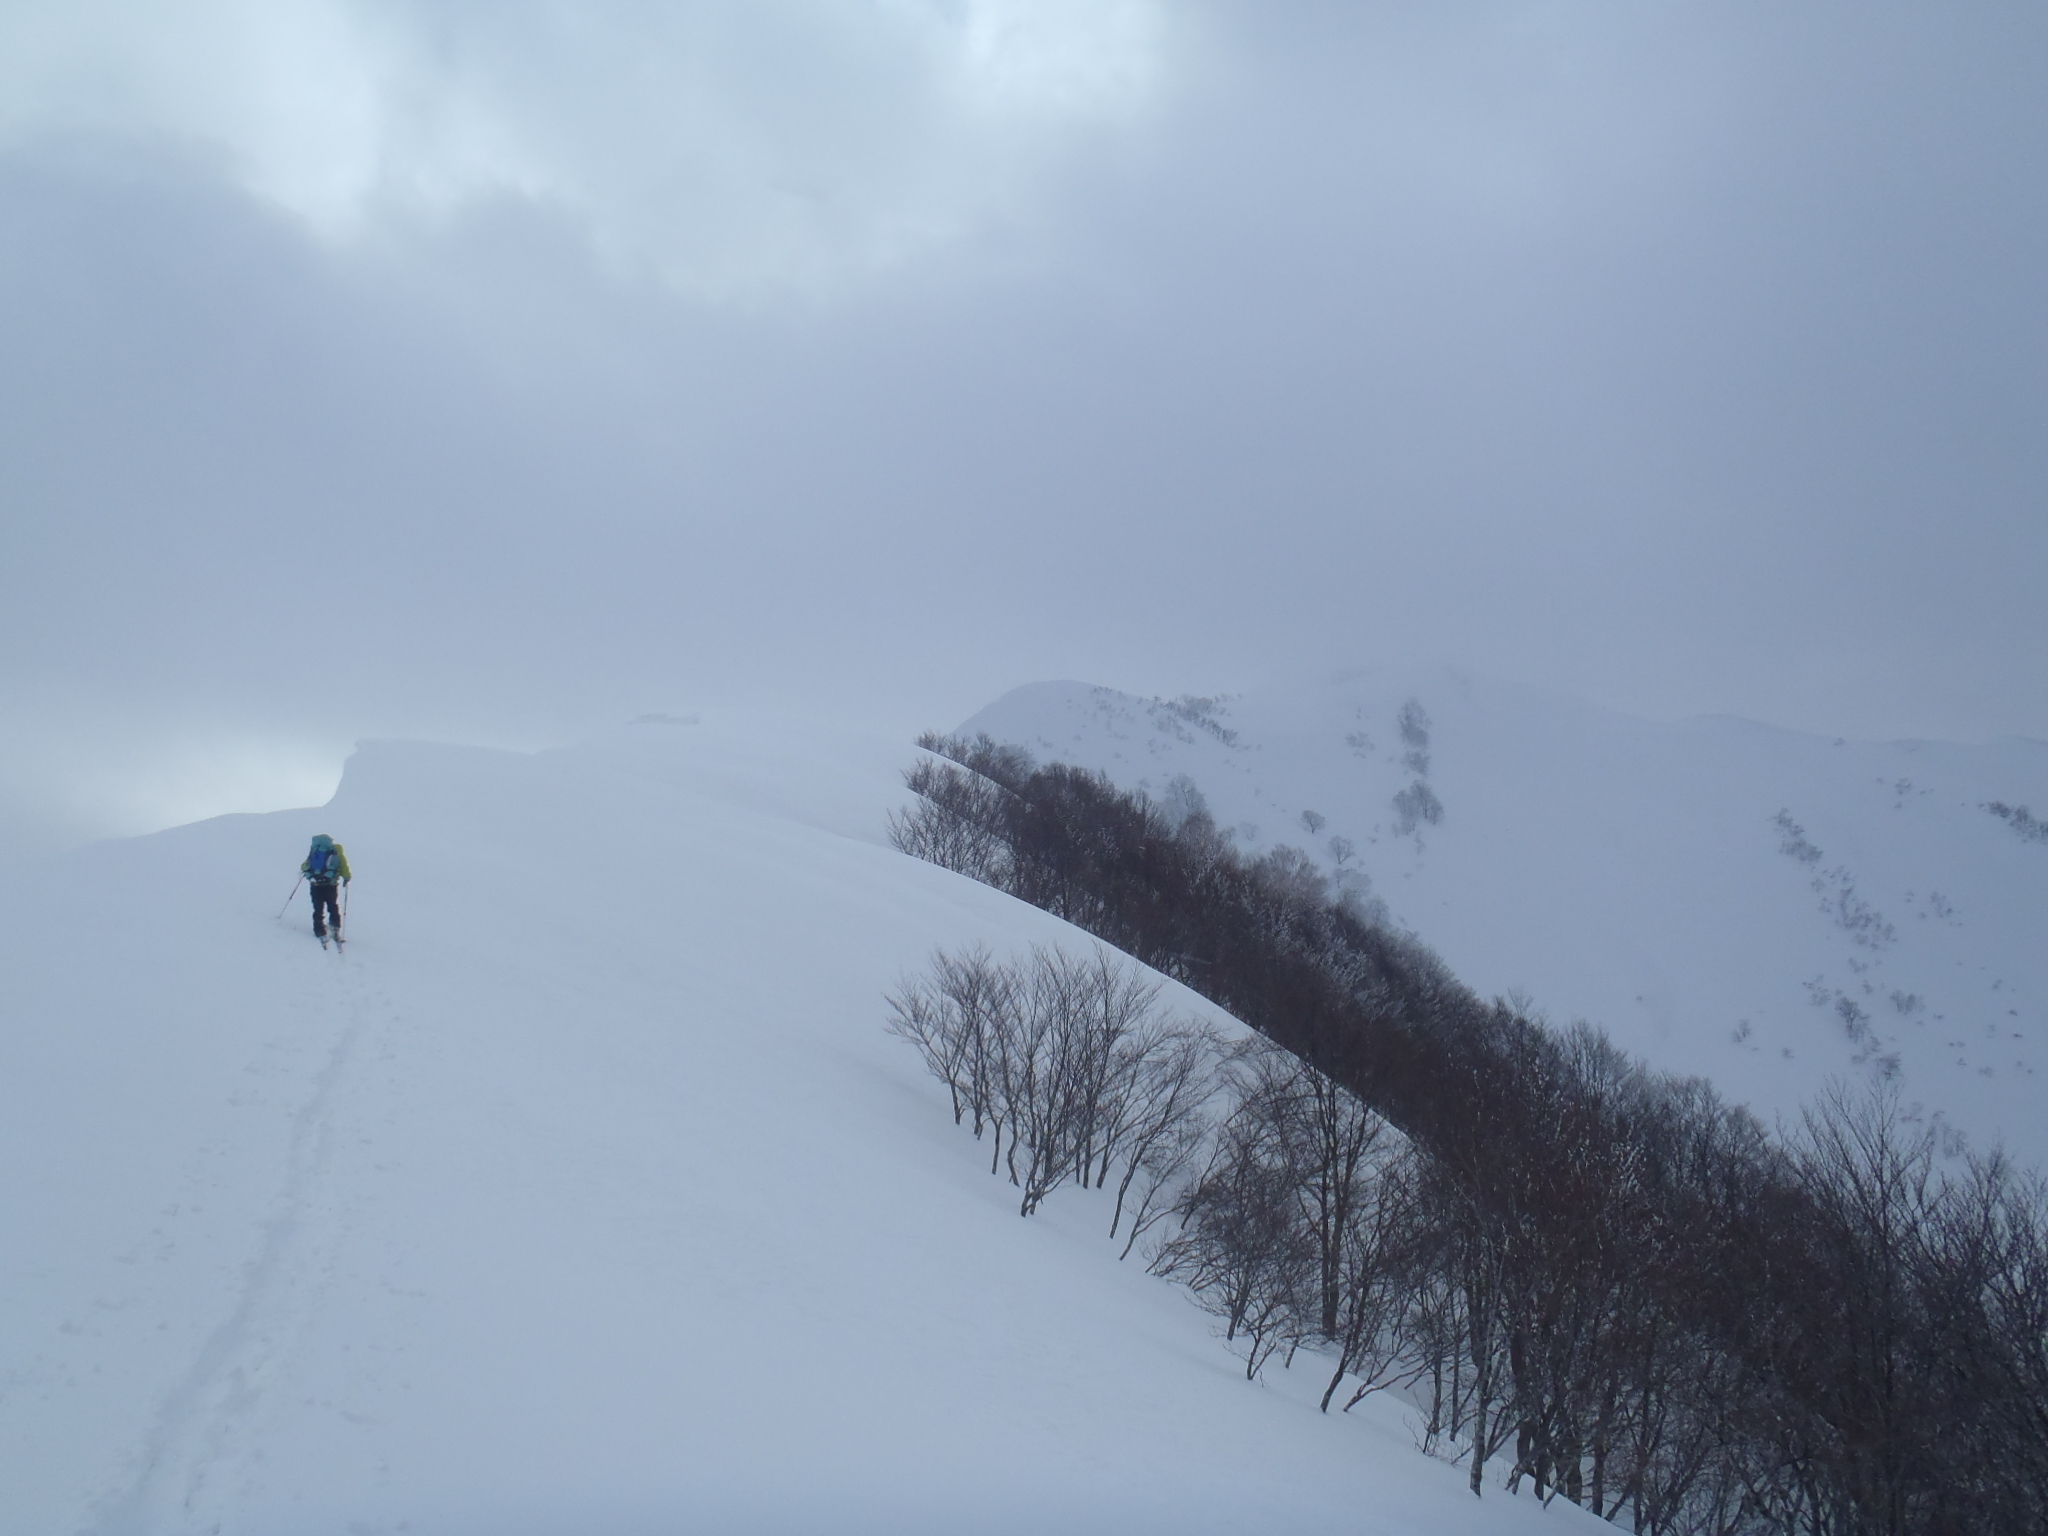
(494, 373)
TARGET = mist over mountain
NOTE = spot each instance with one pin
(1760, 907)
(402, 368)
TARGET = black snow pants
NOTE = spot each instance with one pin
(326, 909)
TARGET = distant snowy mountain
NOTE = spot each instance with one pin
(1753, 905)
(585, 1192)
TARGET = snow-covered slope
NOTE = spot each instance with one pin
(585, 1193)
(1761, 907)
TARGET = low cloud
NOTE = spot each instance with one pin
(489, 372)
(731, 147)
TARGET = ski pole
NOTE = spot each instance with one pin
(344, 902)
(288, 900)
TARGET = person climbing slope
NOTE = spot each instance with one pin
(325, 865)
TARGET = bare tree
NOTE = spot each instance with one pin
(1241, 1248)
(1160, 1123)
(962, 1018)
(955, 822)
(1071, 1056)
(1377, 1271)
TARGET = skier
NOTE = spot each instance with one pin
(325, 864)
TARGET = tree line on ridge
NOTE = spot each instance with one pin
(1621, 1287)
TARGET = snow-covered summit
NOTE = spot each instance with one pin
(1761, 907)
(584, 1193)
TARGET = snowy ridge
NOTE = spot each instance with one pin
(585, 1193)
(1762, 908)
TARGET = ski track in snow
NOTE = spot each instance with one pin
(200, 1442)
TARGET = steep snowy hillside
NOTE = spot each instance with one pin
(584, 1193)
(1763, 908)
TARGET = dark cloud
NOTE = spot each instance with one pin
(1688, 356)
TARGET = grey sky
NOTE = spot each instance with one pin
(384, 366)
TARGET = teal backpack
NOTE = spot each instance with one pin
(323, 863)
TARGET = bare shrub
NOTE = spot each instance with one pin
(1071, 1064)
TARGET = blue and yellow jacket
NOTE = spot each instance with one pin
(340, 865)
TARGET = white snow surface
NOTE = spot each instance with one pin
(585, 1193)
(1636, 875)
